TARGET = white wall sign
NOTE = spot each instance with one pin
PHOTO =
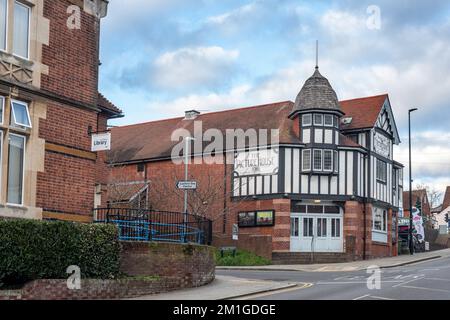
(101, 142)
(262, 162)
(382, 145)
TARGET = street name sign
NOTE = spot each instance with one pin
(187, 185)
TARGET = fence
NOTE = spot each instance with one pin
(151, 225)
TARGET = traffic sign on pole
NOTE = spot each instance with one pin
(187, 185)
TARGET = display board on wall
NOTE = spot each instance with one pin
(262, 218)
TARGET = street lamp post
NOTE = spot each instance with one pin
(411, 244)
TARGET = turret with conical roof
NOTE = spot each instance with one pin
(316, 94)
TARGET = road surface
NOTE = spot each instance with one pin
(429, 280)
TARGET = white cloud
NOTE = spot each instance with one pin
(342, 23)
(188, 67)
(232, 16)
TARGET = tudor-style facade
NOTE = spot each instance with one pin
(330, 186)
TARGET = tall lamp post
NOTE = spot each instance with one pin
(411, 244)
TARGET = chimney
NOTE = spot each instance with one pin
(191, 114)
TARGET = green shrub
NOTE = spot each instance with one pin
(31, 249)
(242, 258)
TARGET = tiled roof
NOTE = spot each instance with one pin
(364, 111)
(108, 106)
(417, 194)
(152, 140)
(446, 202)
(316, 93)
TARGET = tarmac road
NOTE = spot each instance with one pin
(429, 280)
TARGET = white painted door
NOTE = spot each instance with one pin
(316, 232)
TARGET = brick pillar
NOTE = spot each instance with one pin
(281, 239)
(353, 229)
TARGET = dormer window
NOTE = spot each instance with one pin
(20, 114)
(318, 120)
(328, 120)
(306, 120)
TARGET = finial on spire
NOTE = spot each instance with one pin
(317, 54)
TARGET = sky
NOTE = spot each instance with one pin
(162, 57)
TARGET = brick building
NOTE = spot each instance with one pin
(49, 104)
(329, 186)
(419, 199)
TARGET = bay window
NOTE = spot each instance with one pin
(16, 165)
(306, 120)
(317, 160)
(3, 23)
(306, 160)
(21, 30)
(328, 160)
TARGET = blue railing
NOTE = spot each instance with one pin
(152, 225)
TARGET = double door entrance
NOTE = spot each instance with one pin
(317, 229)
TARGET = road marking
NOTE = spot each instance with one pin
(356, 282)
(381, 298)
(422, 288)
(402, 283)
(438, 279)
(362, 297)
(255, 296)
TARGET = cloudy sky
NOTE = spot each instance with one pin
(161, 57)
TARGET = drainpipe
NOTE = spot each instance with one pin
(369, 180)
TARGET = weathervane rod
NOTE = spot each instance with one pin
(317, 54)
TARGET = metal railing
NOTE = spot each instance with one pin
(152, 225)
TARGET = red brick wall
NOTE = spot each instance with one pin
(72, 55)
(193, 264)
(66, 185)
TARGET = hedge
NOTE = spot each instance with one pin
(31, 249)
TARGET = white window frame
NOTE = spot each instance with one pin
(323, 157)
(318, 123)
(2, 106)
(336, 161)
(382, 179)
(332, 120)
(336, 125)
(23, 172)
(306, 124)
(28, 114)
(384, 219)
(305, 169)
(6, 28)
(29, 30)
(314, 157)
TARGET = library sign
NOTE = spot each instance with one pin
(261, 162)
(101, 142)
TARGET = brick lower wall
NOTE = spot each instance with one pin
(152, 267)
(56, 289)
(194, 265)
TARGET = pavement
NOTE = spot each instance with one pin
(330, 281)
(390, 262)
(223, 288)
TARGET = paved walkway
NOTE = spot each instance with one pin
(223, 287)
(352, 266)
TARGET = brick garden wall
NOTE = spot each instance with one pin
(194, 265)
(152, 268)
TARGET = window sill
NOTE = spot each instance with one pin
(16, 207)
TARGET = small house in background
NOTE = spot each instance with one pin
(443, 211)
